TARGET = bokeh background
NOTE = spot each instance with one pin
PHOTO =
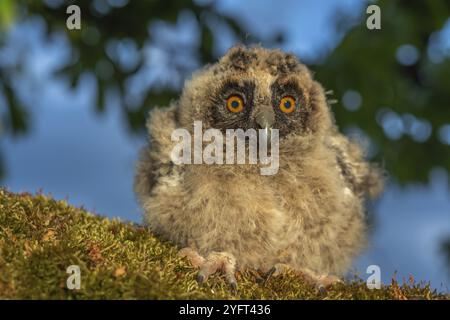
(73, 102)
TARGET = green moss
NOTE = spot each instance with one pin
(40, 237)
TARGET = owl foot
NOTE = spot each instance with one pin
(321, 282)
(222, 262)
(277, 269)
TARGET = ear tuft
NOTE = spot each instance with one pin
(239, 57)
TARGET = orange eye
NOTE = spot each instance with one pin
(235, 103)
(287, 104)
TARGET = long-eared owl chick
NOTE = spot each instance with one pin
(307, 216)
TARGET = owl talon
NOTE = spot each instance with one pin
(234, 287)
(200, 278)
(260, 279)
(221, 262)
(268, 275)
(231, 279)
(322, 289)
(276, 270)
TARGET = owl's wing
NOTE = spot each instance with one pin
(362, 177)
(155, 160)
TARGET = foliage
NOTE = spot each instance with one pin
(7, 13)
(403, 108)
(93, 50)
(40, 237)
(412, 98)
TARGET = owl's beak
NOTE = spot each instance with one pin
(265, 119)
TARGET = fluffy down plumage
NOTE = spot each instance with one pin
(308, 216)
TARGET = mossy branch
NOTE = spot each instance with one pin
(41, 237)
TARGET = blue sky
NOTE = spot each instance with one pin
(73, 152)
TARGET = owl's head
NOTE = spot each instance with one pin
(256, 88)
